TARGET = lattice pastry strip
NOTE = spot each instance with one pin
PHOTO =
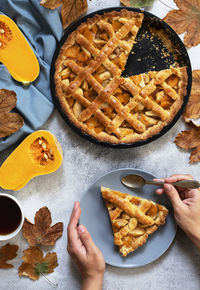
(132, 218)
(108, 48)
(154, 106)
(105, 95)
(83, 101)
(110, 126)
(109, 65)
(104, 53)
(123, 114)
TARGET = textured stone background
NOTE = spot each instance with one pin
(83, 162)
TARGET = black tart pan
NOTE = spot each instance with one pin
(149, 53)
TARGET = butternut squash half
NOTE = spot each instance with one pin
(40, 153)
(16, 53)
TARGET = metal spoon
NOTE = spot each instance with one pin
(137, 181)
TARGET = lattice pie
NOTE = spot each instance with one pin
(97, 99)
(133, 218)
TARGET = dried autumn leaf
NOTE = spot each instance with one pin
(70, 11)
(51, 4)
(35, 264)
(9, 122)
(190, 139)
(7, 100)
(192, 110)
(7, 252)
(186, 19)
(137, 3)
(41, 232)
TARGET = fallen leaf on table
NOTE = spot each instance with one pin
(186, 19)
(190, 139)
(192, 110)
(70, 11)
(35, 263)
(51, 4)
(7, 252)
(137, 3)
(9, 122)
(41, 232)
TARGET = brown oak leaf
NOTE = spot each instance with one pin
(7, 252)
(41, 232)
(51, 4)
(70, 11)
(192, 110)
(190, 139)
(35, 263)
(9, 122)
(186, 19)
(126, 2)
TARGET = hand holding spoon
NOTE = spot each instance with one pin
(137, 181)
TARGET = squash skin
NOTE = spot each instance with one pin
(22, 164)
(16, 54)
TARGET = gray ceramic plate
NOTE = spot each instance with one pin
(95, 217)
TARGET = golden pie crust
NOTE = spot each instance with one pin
(133, 218)
(94, 96)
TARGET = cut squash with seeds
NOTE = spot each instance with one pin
(40, 153)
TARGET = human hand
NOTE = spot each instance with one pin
(186, 204)
(84, 252)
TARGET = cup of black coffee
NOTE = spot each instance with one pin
(11, 216)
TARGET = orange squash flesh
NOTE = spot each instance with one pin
(16, 53)
(40, 153)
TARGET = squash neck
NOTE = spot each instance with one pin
(1, 177)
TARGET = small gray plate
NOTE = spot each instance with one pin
(96, 219)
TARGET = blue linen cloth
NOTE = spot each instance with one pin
(43, 30)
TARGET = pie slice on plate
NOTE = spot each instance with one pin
(132, 218)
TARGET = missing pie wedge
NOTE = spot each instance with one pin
(132, 218)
